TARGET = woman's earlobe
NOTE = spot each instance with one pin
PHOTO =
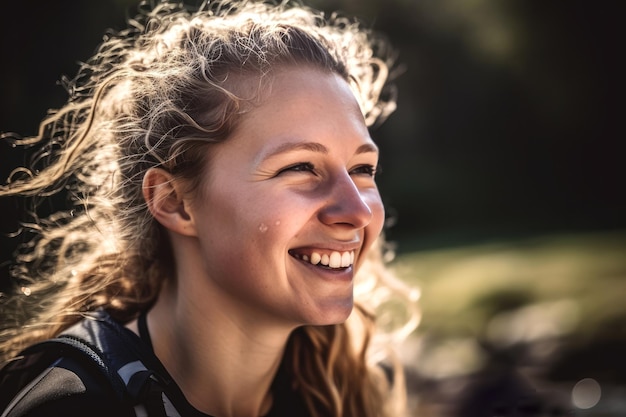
(165, 201)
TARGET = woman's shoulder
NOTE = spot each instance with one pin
(96, 367)
(71, 374)
(70, 388)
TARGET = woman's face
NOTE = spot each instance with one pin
(289, 206)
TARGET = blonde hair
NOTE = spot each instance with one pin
(153, 95)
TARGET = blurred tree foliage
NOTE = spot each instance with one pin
(507, 122)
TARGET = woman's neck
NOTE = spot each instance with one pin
(223, 362)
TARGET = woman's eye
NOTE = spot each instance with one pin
(299, 167)
(369, 170)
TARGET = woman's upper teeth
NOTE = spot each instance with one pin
(333, 259)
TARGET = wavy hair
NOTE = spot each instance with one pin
(153, 95)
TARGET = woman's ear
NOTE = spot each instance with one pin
(165, 201)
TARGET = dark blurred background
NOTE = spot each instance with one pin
(509, 129)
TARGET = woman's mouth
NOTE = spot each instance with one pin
(329, 259)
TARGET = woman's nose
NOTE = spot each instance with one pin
(345, 204)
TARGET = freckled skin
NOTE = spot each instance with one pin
(253, 208)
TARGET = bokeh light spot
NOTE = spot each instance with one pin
(586, 393)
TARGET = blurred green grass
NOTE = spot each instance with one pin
(464, 288)
(509, 319)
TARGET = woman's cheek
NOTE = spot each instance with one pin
(375, 203)
(375, 227)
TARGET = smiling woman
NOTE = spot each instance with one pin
(229, 213)
(305, 182)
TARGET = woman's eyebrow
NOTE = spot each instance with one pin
(295, 146)
(313, 147)
(365, 148)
